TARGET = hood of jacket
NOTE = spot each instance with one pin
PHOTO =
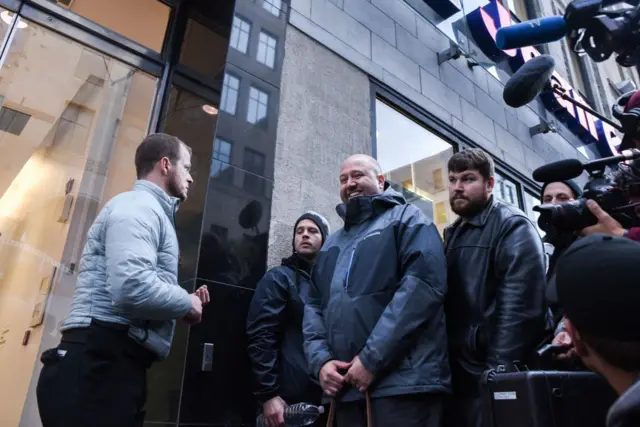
(298, 264)
(363, 208)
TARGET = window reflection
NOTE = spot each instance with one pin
(230, 88)
(143, 21)
(266, 50)
(273, 6)
(207, 37)
(188, 120)
(253, 162)
(240, 32)
(258, 103)
(506, 191)
(414, 160)
(221, 160)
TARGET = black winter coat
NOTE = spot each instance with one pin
(377, 291)
(274, 332)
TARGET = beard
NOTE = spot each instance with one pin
(174, 188)
(472, 208)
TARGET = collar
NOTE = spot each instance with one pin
(168, 203)
(363, 208)
(298, 263)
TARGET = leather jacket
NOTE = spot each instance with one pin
(495, 306)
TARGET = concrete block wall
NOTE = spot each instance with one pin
(324, 117)
(390, 41)
(331, 48)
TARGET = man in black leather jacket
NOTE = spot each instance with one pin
(274, 325)
(496, 280)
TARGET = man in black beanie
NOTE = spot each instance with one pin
(555, 193)
(274, 325)
(555, 244)
(596, 284)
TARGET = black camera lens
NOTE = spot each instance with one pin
(564, 217)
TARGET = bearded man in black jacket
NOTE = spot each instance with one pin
(274, 326)
(496, 280)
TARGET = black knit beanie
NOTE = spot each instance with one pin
(575, 188)
(319, 220)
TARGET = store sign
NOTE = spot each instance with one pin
(484, 23)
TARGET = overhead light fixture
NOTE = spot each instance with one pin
(210, 109)
(7, 17)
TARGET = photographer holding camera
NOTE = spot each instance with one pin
(628, 175)
(628, 179)
(597, 287)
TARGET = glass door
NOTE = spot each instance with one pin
(71, 119)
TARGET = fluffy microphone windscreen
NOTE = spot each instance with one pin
(563, 170)
(528, 81)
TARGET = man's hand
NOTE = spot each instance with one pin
(203, 293)
(331, 380)
(606, 224)
(194, 315)
(564, 339)
(359, 376)
(273, 410)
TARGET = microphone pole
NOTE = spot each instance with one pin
(563, 94)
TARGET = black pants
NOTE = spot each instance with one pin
(96, 377)
(412, 410)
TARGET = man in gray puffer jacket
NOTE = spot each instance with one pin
(126, 300)
(374, 319)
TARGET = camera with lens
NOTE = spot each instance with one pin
(612, 197)
(575, 215)
(599, 30)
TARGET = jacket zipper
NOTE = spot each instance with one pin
(346, 279)
(175, 209)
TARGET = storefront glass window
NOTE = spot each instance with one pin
(414, 160)
(506, 191)
(143, 21)
(71, 119)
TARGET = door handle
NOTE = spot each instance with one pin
(207, 357)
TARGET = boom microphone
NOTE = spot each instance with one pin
(531, 33)
(563, 170)
(567, 169)
(530, 79)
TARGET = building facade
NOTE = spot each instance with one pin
(271, 96)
